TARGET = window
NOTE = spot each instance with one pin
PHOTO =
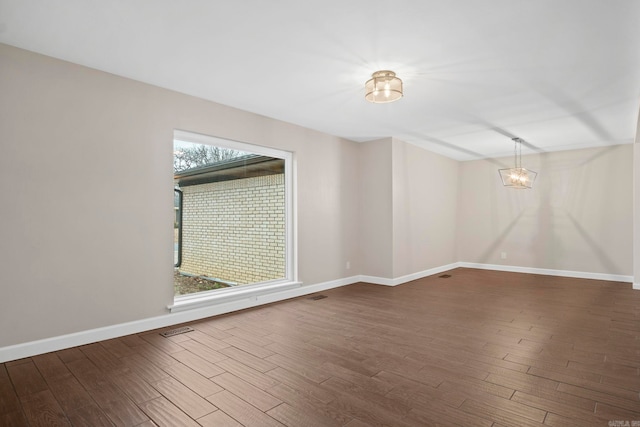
(233, 226)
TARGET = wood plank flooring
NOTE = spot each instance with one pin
(481, 348)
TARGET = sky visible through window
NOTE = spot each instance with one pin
(188, 155)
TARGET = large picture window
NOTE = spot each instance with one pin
(233, 226)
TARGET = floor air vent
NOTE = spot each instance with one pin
(445, 276)
(317, 297)
(177, 331)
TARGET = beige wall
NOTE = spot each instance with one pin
(577, 218)
(424, 209)
(376, 211)
(408, 209)
(86, 179)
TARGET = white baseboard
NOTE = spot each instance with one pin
(409, 277)
(549, 272)
(46, 345)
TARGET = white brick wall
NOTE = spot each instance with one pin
(235, 230)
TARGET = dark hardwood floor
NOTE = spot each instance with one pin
(481, 348)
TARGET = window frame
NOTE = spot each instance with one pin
(207, 298)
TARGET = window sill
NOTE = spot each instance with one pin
(220, 296)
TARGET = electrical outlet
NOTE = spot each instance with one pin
(348, 265)
(503, 255)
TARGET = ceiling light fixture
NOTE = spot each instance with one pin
(383, 87)
(517, 177)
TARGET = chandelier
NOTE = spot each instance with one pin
(517, 177)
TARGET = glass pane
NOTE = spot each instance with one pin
(232, 224)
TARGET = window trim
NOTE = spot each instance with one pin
(178, 263)
(200, 299)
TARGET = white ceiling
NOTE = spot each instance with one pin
(561, 74)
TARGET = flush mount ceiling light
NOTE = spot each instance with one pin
(383, 87)
(517, 177)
